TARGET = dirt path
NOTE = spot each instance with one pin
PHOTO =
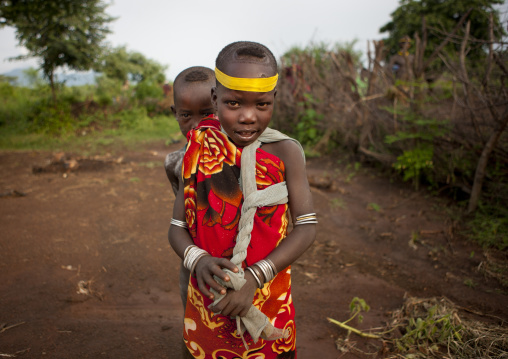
(86, 270)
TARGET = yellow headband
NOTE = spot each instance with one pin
(263, 84)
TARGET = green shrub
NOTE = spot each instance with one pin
(415, 163)
(489, 227)
(16, 106)
(415, 139)
(133, 119)
(108, 91)
(306, 130)
(46, 117)
(148, 89)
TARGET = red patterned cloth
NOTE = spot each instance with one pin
(213, 202)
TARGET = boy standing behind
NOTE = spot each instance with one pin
(192, 98)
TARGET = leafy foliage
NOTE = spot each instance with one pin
(123, 65)
(416, 137)
(429, 328)
(306, 130)
(489, 227)
(29, 119)
(47, 118)
(58, 32)
(415, 162)
(427, 333)
(120, 67)
(357, 306)
(441, 17)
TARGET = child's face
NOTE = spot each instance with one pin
(244, 115)
(192, 103)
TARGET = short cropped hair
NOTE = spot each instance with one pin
(246, 51)
(193, 75)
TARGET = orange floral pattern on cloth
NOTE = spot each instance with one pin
(213, 202)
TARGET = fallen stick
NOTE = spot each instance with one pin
(11, 326)
(354, 330)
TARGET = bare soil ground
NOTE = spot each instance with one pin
(86, 270)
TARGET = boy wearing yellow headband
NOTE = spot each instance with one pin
(192, 102)
(230, 220)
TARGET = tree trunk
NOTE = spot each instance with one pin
(501, 120)
(52, 84)
(483, 161)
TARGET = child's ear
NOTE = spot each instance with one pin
(275, 93)
(214, 98)
(173, 109)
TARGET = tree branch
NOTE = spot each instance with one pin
(446, 40)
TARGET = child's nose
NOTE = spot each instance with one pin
(196, 120)
(248, 116)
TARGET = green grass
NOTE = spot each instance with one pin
(127, 129)
(374, 206)
(78, 121)
(336, 203)
(489, 227)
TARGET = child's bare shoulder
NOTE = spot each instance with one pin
(173, 167)
(287, 150)
(173, 158)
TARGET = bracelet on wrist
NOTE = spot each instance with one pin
(258, 281)
(192, 255)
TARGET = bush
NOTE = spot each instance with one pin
(49, 118)
(16, 106)
(148, 89)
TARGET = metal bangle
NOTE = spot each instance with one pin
(274, 268)
(306, 219)
(192, 254)
(187, 250)
(179, 223)
(306, 222)
(195, 263)
(266, 269)
(259, 274)
(306, 216)
(255, 276)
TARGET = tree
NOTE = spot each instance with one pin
(125, 66)
(58, 32)
(441, 17)
(121, 64)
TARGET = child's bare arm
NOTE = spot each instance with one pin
(300, 203)
(207, 266)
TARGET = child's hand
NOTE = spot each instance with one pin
(238, 302)
(206, 268)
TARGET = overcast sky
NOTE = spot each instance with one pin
(187, 33)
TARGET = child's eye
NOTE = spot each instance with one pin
(233, 103)
(264, 104)
(184, 115)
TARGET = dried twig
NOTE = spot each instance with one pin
(11, 326)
